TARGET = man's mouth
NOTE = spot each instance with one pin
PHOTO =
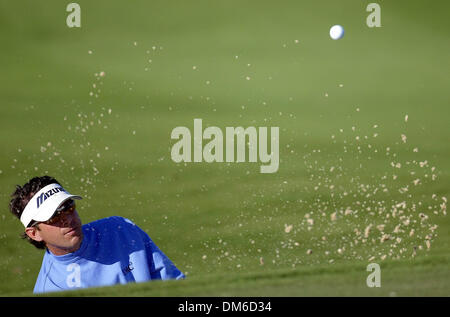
(72, 231)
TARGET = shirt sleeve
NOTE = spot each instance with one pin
(161, 267)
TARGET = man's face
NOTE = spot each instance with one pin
(62, 234)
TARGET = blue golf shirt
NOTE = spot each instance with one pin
(113, 251)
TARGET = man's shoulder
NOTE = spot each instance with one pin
(115, 221)
(114, 224)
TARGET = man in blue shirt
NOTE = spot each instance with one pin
(104, 252)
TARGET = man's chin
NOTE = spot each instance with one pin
(75, 238)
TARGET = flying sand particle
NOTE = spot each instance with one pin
(287, 228)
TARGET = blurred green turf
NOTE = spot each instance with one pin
(231, 63)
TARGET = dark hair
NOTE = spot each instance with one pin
(22, 195)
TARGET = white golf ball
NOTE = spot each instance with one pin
(336, 32)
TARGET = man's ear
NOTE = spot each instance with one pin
(33, 233)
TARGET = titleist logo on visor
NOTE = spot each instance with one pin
(43, 197)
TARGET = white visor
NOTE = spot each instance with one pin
(44, 203)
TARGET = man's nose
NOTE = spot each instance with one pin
(68, 219)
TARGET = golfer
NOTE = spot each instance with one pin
(104, 252)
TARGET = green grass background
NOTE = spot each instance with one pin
(231, 63)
